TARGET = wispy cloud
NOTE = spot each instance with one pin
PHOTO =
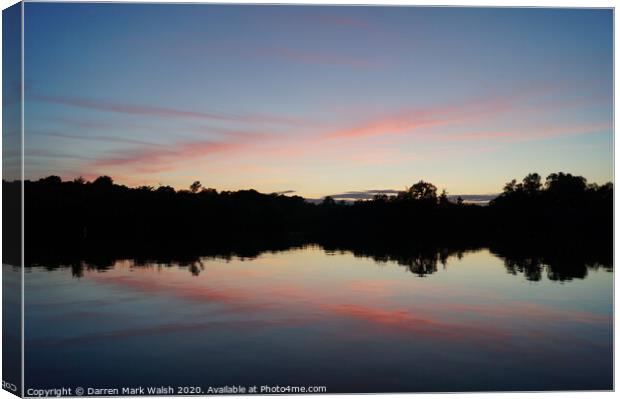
(469, 113)
(363, 195)
(538, 133)
(101, 138)
(389, 125)
(154, 160)
(30, 153)
(319, 58)
(164, 112)
(369, 194)
(85, 125)
(414, 119)
(359, 140)
(481, 199)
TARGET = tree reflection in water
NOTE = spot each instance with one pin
(555, 262)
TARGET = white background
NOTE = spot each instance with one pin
(522, 3)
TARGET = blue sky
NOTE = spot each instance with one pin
(318, 100)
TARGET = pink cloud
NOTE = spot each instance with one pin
(152, 160)
(386, 126)
(329, 143)
(469, 112)
(415, 119)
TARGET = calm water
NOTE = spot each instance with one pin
(311, 317)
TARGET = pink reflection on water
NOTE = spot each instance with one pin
(299, 288)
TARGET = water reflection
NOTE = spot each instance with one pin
(318, 315)
(557, 263)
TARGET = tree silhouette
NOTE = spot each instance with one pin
(195, 187)
(565, 185)
(165, 190)
(103, 181)
(423, 191)
(443, 197)
(51, 180)
(532, 183)
(328, 201)
(511, 187)
(65, 216)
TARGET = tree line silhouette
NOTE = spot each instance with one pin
(80, 216)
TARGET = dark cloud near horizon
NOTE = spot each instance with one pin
(474, 198)
(369, 194)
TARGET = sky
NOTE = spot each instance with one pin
(317, 100)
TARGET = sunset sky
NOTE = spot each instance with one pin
(317, 100)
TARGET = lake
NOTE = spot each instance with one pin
(458, 321)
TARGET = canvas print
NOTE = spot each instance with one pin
(274, 199)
